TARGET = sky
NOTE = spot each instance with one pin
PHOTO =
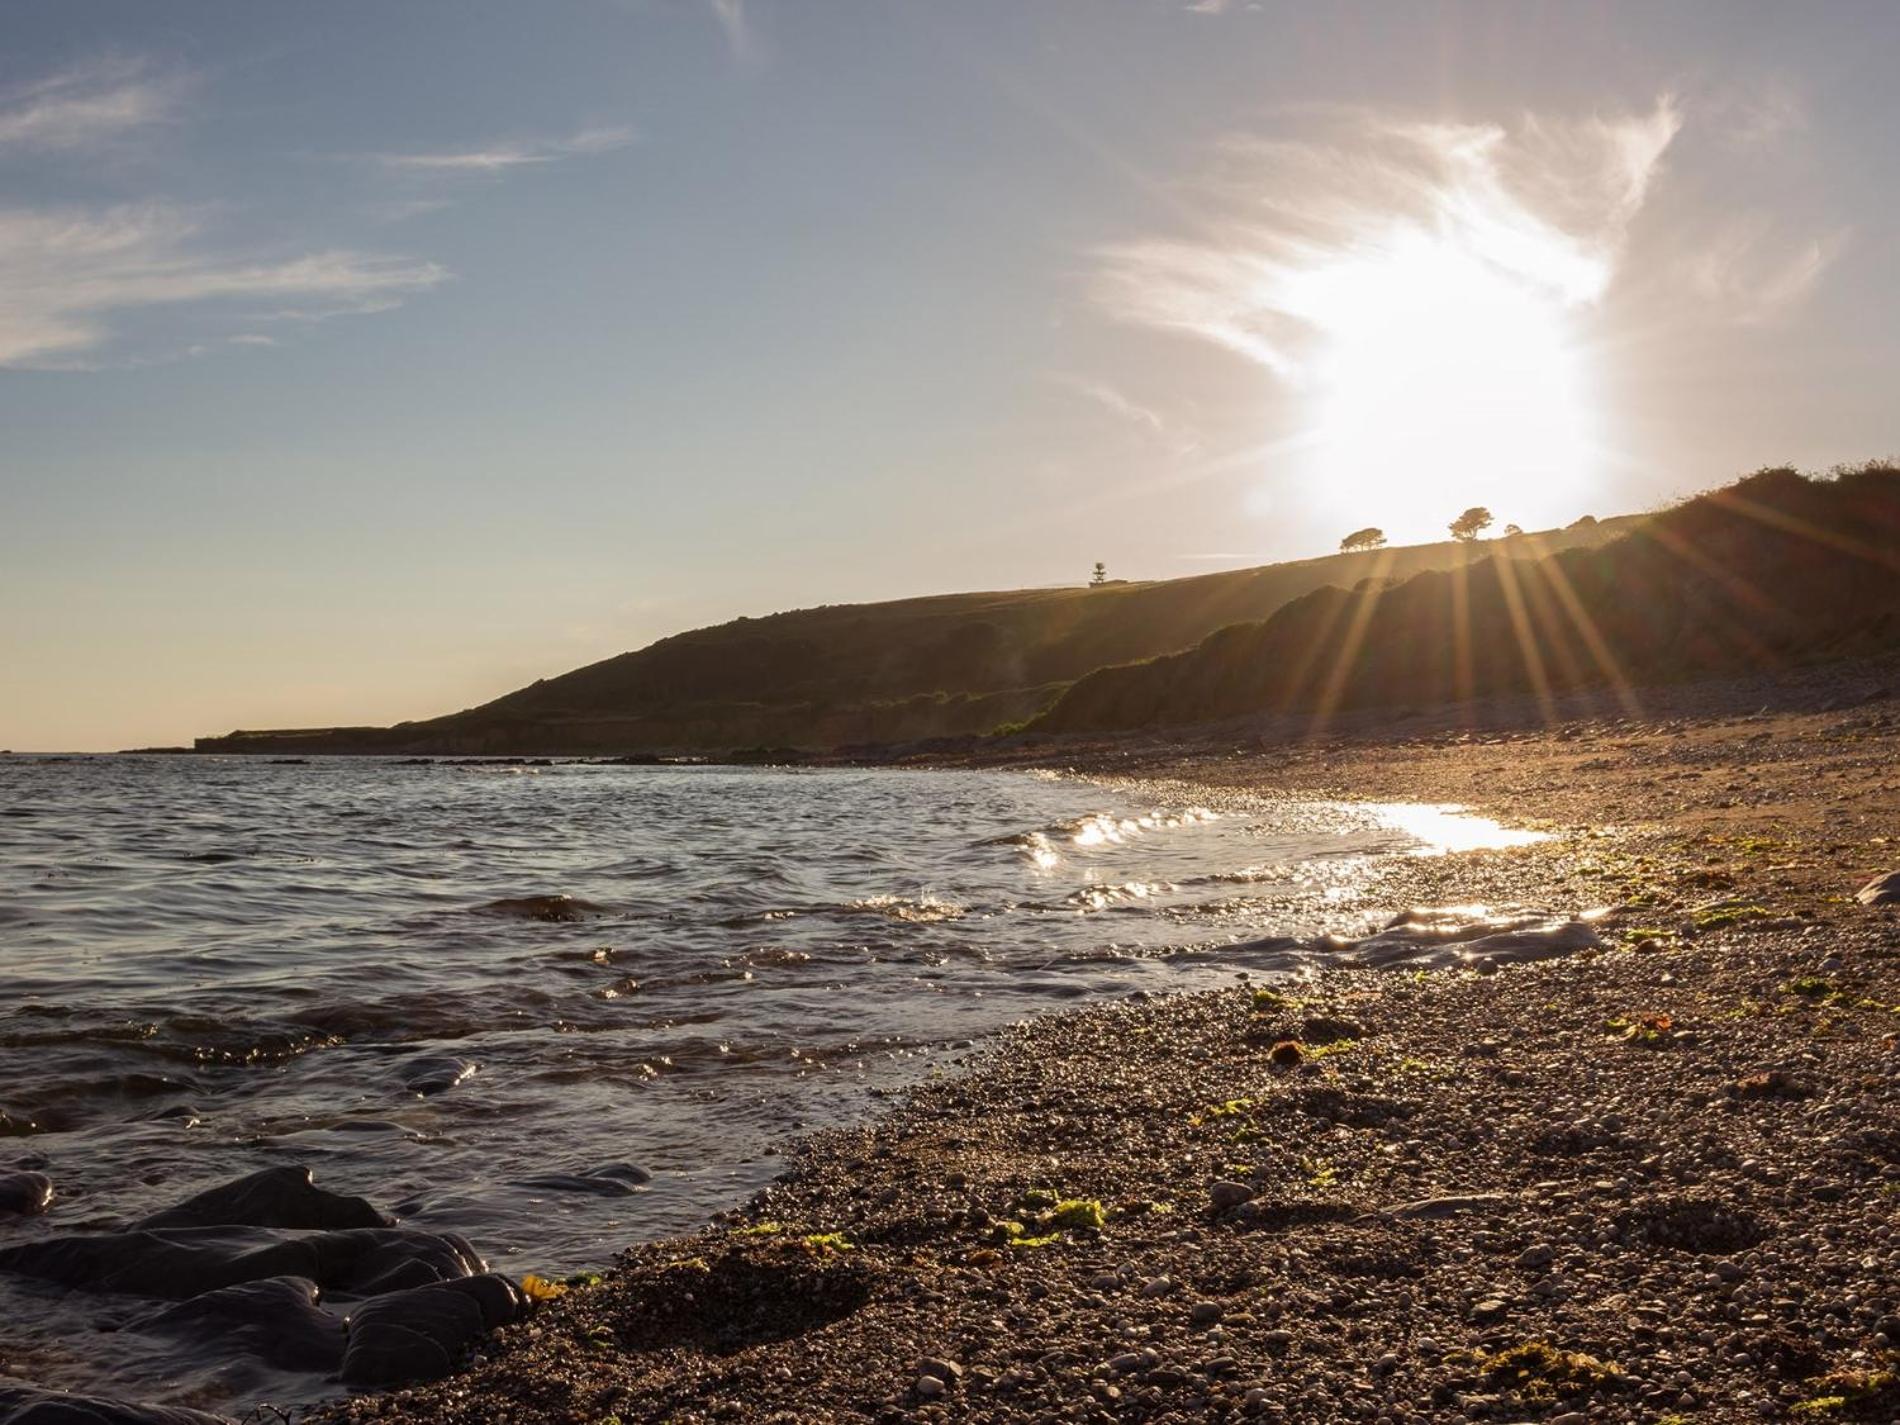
(360, 362)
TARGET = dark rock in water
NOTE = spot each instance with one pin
(175, 1264)
(277, 1318)
(1882, 890)
(426, 1333)
(22, 1404)
(25, 1193)
(557, 908)
(611, 1180)
(272, 1197)
(435, 1073)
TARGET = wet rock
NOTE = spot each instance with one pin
(426, 1332)
(609, 1180)
(1882, 890)
(1452, 936)
(176, 1264)
(277, 1319)
(430, 1074)
(272, 1197)
(22, 1404)
(547, 908)
(26, 1194)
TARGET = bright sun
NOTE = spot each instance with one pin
(1446, 379)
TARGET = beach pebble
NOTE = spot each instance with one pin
(949, 1372)
(1157, 1286)
(928, 1387)
(1204, 1313)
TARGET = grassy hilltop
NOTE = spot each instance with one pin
(1775, 570)
(861, 673)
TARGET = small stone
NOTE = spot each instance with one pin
(928, 1387)
(1127, 1363)
(949, 1372)
(1882, 890)
(1204, 1313)
(1537, 1256)
(1225, 1195)
(1487, 1310)
(1157, 1286)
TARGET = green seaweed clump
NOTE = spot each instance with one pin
(825, 1243)
(1540, 1371)
(1077, 1212)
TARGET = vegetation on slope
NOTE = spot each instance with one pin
(1774, 570)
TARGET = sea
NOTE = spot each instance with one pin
(456, 987)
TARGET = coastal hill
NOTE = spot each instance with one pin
(1776, 570)
(954, 664)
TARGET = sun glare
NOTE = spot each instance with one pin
(1448, 379)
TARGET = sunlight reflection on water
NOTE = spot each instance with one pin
(1447, 827)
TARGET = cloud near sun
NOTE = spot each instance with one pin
(1421, 290)
(1295, 232)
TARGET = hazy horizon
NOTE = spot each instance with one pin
(360, 364)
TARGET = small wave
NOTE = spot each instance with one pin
(1125, 893)
(920, 910)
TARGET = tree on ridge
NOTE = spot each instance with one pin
(1371, 537)
(1471, 523)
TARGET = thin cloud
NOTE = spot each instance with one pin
(1548, 204)
(735, 26)
(1111, 400)
(87, 106)
(1754, 274)
(499, 158)
(66, 273)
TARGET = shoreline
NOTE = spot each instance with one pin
(1656, 1180)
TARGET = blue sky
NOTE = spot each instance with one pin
(361, 361)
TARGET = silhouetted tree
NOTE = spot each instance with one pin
(1513, 531)
(1471, 523)
(1582, 522)
(1371, 537)
(1100, 576)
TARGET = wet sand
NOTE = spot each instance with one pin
(1652, 1181)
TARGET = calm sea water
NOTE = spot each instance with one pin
(209, 966)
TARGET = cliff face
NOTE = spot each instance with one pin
(1775, 570)
(891, 672)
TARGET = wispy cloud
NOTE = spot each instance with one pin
(88, 105)
(1111, 400)
(499, 158)
(1545, 203)
(65, 273)
(1754, 273)
(737, 28)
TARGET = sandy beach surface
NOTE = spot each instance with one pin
(1653, 1179)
